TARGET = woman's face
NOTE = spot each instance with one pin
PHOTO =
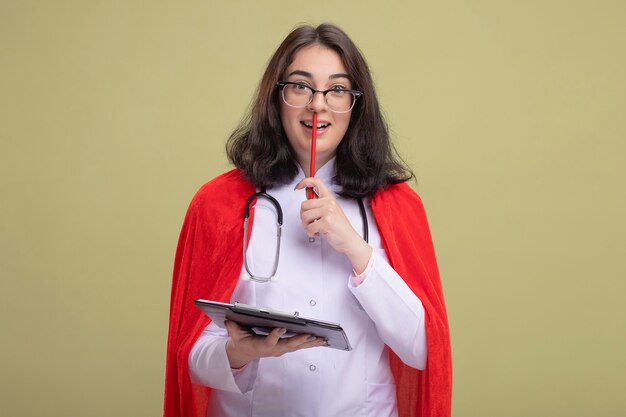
(320, 68)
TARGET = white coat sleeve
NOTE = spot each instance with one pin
(395, 310)
(209, 365)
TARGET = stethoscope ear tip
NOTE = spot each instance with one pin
(245, 277)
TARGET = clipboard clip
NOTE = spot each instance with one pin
(268, 310)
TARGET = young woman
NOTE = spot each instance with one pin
(360, 254)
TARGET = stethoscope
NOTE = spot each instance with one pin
(279, 225)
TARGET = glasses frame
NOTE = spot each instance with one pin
(355, 94)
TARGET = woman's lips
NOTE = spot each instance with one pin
(322, 126)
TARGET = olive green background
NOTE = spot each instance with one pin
(512, 114)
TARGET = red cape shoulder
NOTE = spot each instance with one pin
(399, 197)
(225, 190)
(401, 191)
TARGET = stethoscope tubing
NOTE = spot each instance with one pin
(279, 225)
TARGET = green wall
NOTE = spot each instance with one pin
(513, 115)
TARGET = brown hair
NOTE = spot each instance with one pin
(366, 160)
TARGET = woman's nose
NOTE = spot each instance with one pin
(318, 102)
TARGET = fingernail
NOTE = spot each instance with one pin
(282, 331)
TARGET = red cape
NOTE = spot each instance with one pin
(208, 263)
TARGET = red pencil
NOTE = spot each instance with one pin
(310, 193)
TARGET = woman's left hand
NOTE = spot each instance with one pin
(323, 216)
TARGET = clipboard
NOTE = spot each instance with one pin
(261, 320)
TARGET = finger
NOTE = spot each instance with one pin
(236, 331)
(318, 342)
(316, 183)
(304, 342)
(316, 229)
(232, 327)
(298, 340)
(326, 219)
(309, 216)
(274, 336)
(325, 205)
(314, 203)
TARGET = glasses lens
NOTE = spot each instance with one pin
(296, 95)
(340, 101)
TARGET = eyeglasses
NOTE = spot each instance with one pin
(338, 99)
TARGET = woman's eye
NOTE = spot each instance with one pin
(300, 87)
(339, 89)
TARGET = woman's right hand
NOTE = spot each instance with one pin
(245, 346)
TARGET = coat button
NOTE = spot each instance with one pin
(312, 368)
(312, 303)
